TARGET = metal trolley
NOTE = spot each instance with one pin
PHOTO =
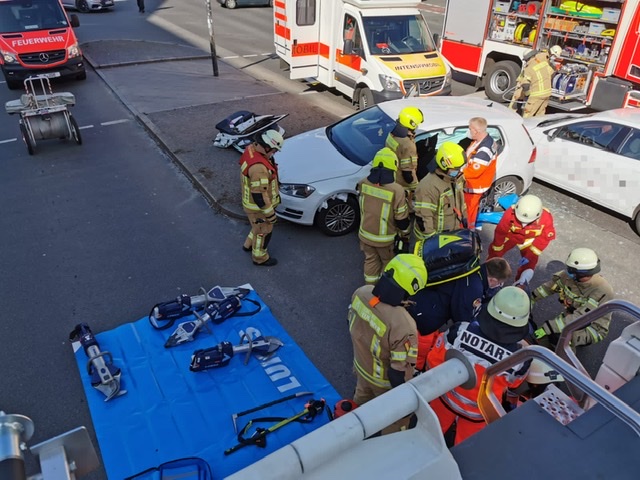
(46, 115)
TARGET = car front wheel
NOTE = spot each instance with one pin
(339, 218)
(636, 223)
(501, 188)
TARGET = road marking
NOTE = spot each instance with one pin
(114, 122)
(252, 55)
(86, 126)
(9, 140)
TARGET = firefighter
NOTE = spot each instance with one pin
(527, 225)
(456, 301)
(533, 86)
(480, 170)
(384, 214)
(439, 198)
(383, 333)
(260, 194)
(497, 331)
(580, 289)
(402, 141)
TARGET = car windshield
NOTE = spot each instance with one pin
(360, 136)
(30, 15)
(553, 121)
(397, 34)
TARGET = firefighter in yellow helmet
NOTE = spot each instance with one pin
(533, 86)
(580, 289)
(384, 214)
(260, 193)
(402, 141)
(439, 198)
(382, 331)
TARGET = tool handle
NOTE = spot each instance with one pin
(273, 402)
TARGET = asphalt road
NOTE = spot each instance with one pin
(99, 233)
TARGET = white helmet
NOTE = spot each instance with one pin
(511, 306)
(272, 139)
(541, 373)
(556, 50)
(528, 209)
(583, 261)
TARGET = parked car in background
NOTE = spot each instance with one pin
(319, 169)
(594, 156)
(246, 3)
(85, 6)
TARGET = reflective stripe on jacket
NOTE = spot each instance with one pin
(480, 170)
(537, 74)
(439, 202)
(380, 207)
(407, 153)
(535, 236)
(258, 175)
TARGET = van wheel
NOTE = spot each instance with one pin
(636, 223)
(82, 6)
(82, 76)
(14, 84)
(230, 3)
(500, 78)
(365, 98)
(339, 218)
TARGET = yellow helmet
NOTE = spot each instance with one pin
(450, 156)
(410, 117)
(385, 158)
(408, 271)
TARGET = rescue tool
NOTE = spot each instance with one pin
(105, 376)
(311, 409)
(234, 416)
(239, 129)
(220, 355)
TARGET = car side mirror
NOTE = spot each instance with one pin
(348, 47)
(552, 134)
(75, 21)
(436, 39)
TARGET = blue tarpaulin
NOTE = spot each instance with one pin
(171, 413)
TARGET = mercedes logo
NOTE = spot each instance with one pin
(44, 57)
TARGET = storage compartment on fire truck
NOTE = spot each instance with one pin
(514, 22)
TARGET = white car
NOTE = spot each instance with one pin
(595, 156)
(88, 5)
(319, 170)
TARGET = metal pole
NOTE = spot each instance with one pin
(212, 43)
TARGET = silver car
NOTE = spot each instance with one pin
(85, 6)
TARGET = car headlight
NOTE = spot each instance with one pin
(73, 51)
(391, 84)
(296, 190)
(8, 57)
(447, 77)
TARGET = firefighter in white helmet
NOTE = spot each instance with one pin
(382, 331)
(384, 214)
(580, 289)
(526, 225)
(496, 332)
(439, 198)
(260, 193)
(533, 86)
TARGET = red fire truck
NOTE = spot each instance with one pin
(485, 41)
(36, 37)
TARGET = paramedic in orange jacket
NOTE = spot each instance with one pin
(497, 331)
(480, 170)
(526, 225)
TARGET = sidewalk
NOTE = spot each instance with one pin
(171, 89)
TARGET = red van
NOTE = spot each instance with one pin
(36, 37)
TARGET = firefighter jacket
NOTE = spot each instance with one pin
(383, 337)
(535, 78)
(405, 149)
(480, 170)
(481, 353)
(577, 298)
(534, 236)
(458, 300)
(381, 207)
(439, 204)
(259, 176)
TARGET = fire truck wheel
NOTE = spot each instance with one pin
(500, 77)
(365, 98)
(230, 3)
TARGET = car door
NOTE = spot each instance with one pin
(581, 157)
(625, 191)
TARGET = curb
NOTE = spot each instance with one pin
(155, 134)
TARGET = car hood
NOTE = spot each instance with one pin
(310, 157)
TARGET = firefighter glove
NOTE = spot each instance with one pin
(540, 333)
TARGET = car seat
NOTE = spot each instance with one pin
(632, 148)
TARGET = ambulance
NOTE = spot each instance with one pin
(36, 37)
(485, 41)
(369, 50)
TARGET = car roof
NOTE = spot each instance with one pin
(450, 110)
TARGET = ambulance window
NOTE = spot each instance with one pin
(352, 32)
(305, 12)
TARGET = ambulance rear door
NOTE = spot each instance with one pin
(297, 34)
(465, 26)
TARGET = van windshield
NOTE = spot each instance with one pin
(30, 15)
(397, 35)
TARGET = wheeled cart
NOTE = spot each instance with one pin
(44, 116)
